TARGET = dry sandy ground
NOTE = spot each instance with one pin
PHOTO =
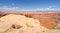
(48, 20)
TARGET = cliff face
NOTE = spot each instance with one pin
(48, 20)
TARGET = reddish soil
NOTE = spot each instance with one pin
(48, 20)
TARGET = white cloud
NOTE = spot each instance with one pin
(50, 8)
(6, 8)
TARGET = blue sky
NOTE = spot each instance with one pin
(29, 5)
